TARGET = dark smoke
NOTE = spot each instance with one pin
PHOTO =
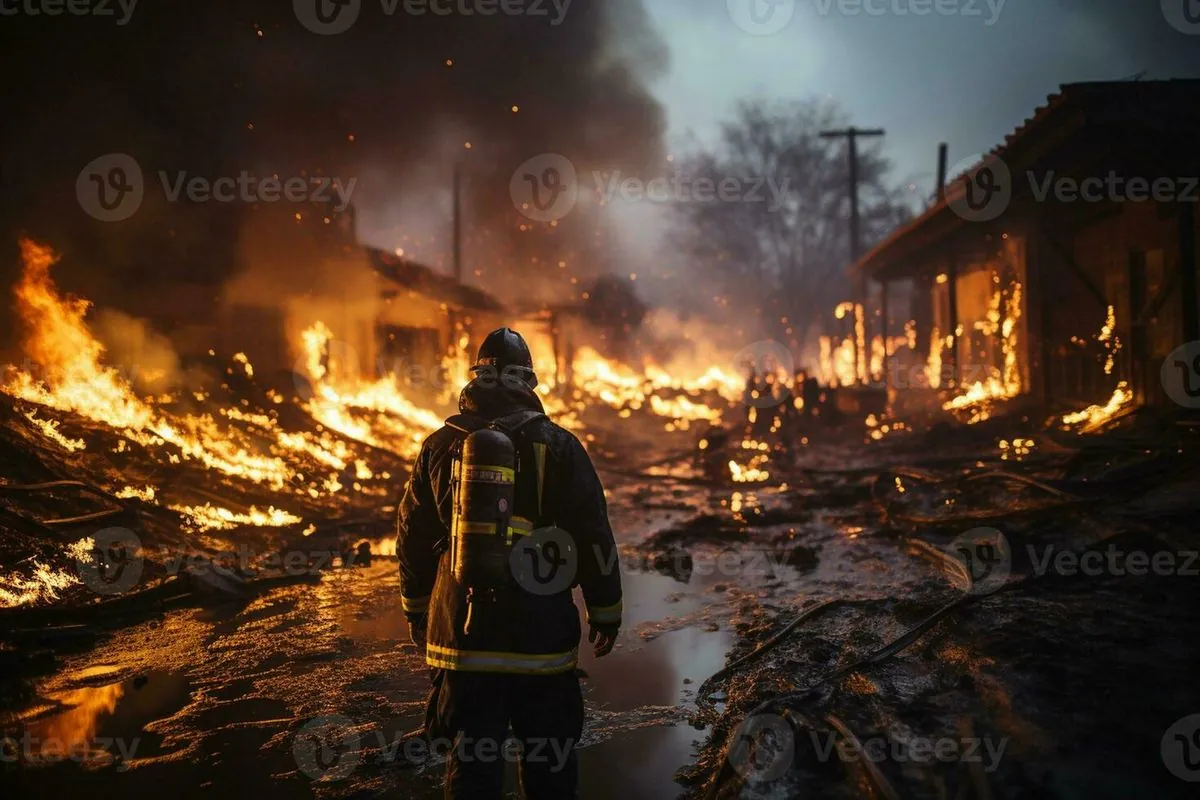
(215, 88)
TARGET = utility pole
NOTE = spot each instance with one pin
(852, 136)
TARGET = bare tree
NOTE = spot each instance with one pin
(785, 257)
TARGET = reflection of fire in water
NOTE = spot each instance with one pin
(72, 733)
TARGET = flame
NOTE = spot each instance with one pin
(374, 412)
(49, 429)
(933, 366)
(72, 377)
(1093, 417)
(42, 583)
(621, 387)
(977, 399)
(836, 363)
(209, 517)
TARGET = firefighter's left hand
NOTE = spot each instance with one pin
(416, 632)
(603, 637)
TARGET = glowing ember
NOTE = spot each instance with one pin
(1111, 342)
(751, 473)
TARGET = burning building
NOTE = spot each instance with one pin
(1062, 266)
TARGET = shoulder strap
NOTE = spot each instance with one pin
(466, 423)
(512, 423)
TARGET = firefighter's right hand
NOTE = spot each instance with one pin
(416, 631)
(603, 637)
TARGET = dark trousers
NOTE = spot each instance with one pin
(474, 710)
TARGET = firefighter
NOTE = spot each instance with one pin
(502, 516)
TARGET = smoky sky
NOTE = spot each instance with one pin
(216, 88)
(926, 79)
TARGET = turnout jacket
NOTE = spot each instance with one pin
(521, 632)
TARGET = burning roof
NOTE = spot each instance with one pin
(425, 281)
(1166, 108)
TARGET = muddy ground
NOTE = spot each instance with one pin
(910, 677)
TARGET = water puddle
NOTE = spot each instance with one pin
(97, 720)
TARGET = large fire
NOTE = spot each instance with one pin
(248, 446)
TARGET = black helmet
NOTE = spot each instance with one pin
(504, 354)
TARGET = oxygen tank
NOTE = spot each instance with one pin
(483, 508)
